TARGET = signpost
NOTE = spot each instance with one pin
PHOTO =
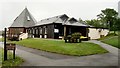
(11, 46)
(8, 46)
(5, 51)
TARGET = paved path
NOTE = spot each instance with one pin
(109, 48)
(35, 57)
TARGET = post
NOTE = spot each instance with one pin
(64, 31)
(14, 54)
(5, 50)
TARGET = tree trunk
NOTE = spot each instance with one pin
(114, 32)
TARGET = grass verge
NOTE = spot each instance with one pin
(10, 62)
(76, 49)
(1, 39)
(112, 40)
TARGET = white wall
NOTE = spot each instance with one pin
(23, 36)
(96, 33)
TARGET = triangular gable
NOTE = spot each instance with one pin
(25, 19)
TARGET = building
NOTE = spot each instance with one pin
(55, 27)
(21, 23)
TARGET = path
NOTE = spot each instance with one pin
(111, 49)
(35, 57)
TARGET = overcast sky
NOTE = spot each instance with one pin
(41, 9)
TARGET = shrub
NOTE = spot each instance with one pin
(76, 35)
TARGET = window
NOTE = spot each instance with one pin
(45, 30)
(40, 29)
(30, 31)
(69, 30)
(36, 31)
(28, 18)
(33, 31)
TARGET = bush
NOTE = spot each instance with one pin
(74, 38)
(76, 35)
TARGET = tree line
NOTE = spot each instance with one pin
(108, 18)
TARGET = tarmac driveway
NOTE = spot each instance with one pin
(35, 57)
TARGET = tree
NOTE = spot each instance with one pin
(94, 22)
(117, 24)
(80, 20)
(108, 16)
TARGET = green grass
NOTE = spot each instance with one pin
(1, 39)
(112, 40)
(10, 62)
(76, 49)
(117, 32)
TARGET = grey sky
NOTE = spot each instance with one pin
(41, 9)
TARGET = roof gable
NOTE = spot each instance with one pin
(63, 19)
(56, 19)
(25, 19)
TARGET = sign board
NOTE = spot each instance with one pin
(10, 46)
(56, 30)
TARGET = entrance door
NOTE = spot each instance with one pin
(56, 35)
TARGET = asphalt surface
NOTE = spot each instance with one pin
(35, 57)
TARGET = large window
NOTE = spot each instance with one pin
(70, 31)
(33, 31)
(40, 30)
(30, 31)
(45, 30)
(36, 30)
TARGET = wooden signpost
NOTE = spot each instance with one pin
(8, 46)
(11, 46)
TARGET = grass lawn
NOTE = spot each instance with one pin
(10, 61)
(76, 49)
(112, 40)
(1, 39)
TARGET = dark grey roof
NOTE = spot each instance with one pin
(25, 19)
(56, 19)
(64, 19)
(73, 22)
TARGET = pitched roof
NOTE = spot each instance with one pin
(56, 19)
(64, 19)
(25, 19)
